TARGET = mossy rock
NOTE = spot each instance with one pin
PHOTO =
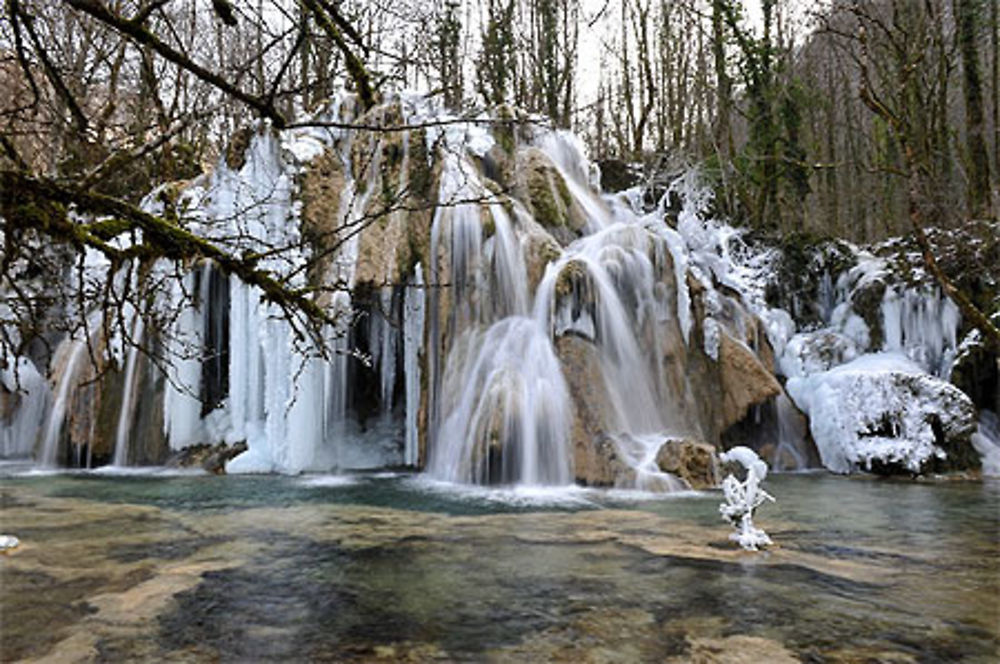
(977, 373)
(321, 186)
(866, 302)
(236, 151)
(547, 197)
(804, 258)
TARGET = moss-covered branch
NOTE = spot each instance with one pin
(29, 202)
(328, 19)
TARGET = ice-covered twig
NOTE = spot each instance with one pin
(742, 499)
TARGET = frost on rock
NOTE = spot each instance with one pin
(882, 412)
(743, 498)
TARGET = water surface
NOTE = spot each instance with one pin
(390, 566)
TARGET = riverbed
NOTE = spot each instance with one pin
(391, 566)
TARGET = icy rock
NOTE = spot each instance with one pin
(814, 352)
(743, 498)
(881, 413)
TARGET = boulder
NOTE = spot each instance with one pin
(693, 461)
(540, 249)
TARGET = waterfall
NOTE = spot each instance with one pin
(526, 328)
(500, 407)
(508, 406)
(791, 436)
(19, 431)
(126, 413)
(68, 358)
(986, 440)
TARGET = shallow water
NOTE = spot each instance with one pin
(200, 568)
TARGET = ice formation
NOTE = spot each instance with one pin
(879, 407)
(465, 347)
(743, 498)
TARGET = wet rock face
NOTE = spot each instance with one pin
(596, 460)
(866, 302)
(693, 461)
(977, 373)
(321, 187)
(236, 151)
(744, 380)
(548, 198)
(617, 175)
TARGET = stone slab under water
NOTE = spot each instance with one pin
(396, 568)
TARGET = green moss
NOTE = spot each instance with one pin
(503, 130)
(420, 178)
(489, 225)
(547, 210)
(109, 228)
(563, 189)
(571, 274)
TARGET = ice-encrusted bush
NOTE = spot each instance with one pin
(743, 498)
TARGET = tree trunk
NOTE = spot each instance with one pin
(967, 15)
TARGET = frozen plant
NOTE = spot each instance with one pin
(743, 498)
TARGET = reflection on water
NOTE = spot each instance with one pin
(201, 568)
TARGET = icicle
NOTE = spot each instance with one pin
(413, 338)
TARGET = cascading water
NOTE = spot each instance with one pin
(19, 433)
(70, 357)
(126, 415)
(413, 340)
(503, 409)
(499, 393)
(508, 409)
